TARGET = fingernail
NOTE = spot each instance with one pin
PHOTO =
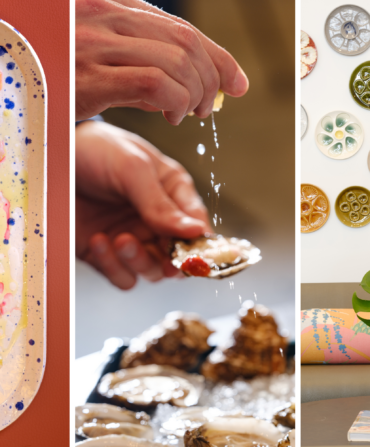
(100, 247)
(241, 81)
(188, 222)
(128, 251)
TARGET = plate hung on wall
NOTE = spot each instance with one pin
(353, 206)
(304, 122)
(339, 135)
(23, 114)
(347, 30)
(359, 85)
(308, 54)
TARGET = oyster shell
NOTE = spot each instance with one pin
(285, 416)
(144, 387)
(177, 341)
(288, 440)
(94, 420)
(213, 256)
(227, 432)
(118, 441)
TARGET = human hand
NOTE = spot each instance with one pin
(130, 53)
(130, 199)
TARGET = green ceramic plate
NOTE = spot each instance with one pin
(353, 206)
(359, 85)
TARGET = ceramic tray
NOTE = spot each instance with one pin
(304, 121)
(315, 208)
(347, 30)
(339, 135)
(308, 54)
(359, 85)
(22, 224)
(353, 206)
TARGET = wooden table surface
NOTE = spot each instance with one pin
(326, 422)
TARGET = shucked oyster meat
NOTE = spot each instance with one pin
(213, 256)
(285, 416)
(144, 387)
(177, 341)
(233, 432)
(288, 440)
(94, 420)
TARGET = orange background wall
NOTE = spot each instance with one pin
(45, 24)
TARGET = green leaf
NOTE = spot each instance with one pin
(361, 306)
(365, 283)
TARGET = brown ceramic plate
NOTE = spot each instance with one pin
(315, 208)
(353, 206)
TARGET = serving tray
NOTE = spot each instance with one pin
(22, 224)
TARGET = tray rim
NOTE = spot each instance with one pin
(42, 282)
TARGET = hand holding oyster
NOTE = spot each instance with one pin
(213, 256)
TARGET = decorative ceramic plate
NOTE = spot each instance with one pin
(308, 54)
(339, 135)
(304, 121)
(353, 206)
(368, 161)
(22, 224)
(359, 85)
(315, 208)
(347, 30)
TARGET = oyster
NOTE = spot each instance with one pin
(144, 387)
(118, 441)
(288, 440)
(256, 349)
(232, 432)
(285, 416)
(93, 420)
(213, 256)
(177, 341)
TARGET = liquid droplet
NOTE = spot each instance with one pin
(201, 124)
(212, 175)
(255, 296)
(281, 352)
(217, 188)
(231, 284)
(213, 158)
(201, 149)
(240, 299)
(215, 220)
(216, 292)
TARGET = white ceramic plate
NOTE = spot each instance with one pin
(339, 135)
(22, 224)
(304, 122)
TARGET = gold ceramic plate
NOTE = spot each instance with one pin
(353, 206)
(315, 208)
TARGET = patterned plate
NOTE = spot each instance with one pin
(304, 121)
(315, 208)
(308, 54)
(353, 206)
(347, 30)
(359, 85)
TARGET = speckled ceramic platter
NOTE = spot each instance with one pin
(347, 30)
(304, 121)
(308, 54)
(315, 208)
(359, 85)
(339, 135)
(353, 206)
(22, 224)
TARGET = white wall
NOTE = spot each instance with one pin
(335, 253)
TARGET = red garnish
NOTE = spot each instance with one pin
(195, 266)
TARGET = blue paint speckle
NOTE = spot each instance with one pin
(19, 406)
(18, 85)
(9, 104)
(6, 241)
(31, 342)
(38, 360)
(11, 221)
(8, 46)
(10, 65)
(21, 114)
(2, 50)
(8, 79)
(28, 141)
(37, 231)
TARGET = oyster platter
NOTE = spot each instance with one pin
(170, 387)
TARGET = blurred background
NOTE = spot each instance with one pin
(254, 164)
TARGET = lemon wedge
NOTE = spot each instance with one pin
(217, 103)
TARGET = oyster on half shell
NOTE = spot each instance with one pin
(118, 441)
(233, 432)
(288, 440)
(213, 256)
(94, 420)
(144, 387)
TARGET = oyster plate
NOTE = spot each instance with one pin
(359, 85)
(347, 30)
(304, 122)
(23, 115)
(315, 208)
(353, 206)
(221, 256)
(308, 54)
(339, 135)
